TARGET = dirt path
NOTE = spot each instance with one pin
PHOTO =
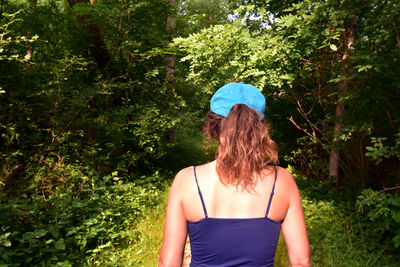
(187, 256)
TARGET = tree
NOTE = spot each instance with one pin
(98, 49)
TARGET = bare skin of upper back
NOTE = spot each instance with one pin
(228, 201)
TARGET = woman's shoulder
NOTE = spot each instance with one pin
(182, 177)
(285, 182)
(181, 184)
(185, 178)
(285, 178)
(283, 173)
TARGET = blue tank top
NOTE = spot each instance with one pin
(233, 241)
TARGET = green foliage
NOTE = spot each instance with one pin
(380, 223)
(78, 139)
(332, 241)
(192, 148)
(344, 235)
(84, 216)
(8, 42)
(194, 15)
(216, 55)
(380, 151)
(113, 118)
(143, 239)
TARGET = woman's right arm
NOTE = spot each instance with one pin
(294, 227)
(175, 228)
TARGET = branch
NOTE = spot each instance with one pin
(377, 193)
(397, 34)
(304, 115)
(76, 113)
(302, 129)
(370, 197)
(1, 10)
(270, 23)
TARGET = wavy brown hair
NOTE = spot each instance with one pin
(245, 147)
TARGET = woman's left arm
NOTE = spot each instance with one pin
(175, 227)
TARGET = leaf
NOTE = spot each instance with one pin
(39, 233)
(395, 202)
(396, 241)
(65, 263)
(70, 232)
(363, 68)
(50, 241)
(90, 221)
(79, 204)
(60, 244)
(53, 231)
(333, 47)
(396, 215)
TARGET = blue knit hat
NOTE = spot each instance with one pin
(237, 93)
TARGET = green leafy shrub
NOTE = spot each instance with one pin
(380, 223)
(82, 217)
(379, 151)
(341, 235)
(335, 241)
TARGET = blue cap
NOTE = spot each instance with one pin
(237, 93)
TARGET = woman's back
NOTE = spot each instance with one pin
(234, 241)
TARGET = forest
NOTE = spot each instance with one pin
(103, 101)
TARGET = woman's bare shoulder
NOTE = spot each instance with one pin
(285, 178)
(284, 173)
(287, 185)
(207, 166)
(185, 177)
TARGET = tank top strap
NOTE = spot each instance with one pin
(198, 189)
(272, 192)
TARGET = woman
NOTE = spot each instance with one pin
(234, 207)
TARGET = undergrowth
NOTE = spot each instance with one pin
(144, 240)
(72, 226)
(340, 233)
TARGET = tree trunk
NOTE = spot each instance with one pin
(98, 51)
(348, 42)
(170, 68)
(170, 59)
(334, 155)
(29, 52)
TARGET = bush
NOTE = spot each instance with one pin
(74, 224)
(345, 232)
(380, 224)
